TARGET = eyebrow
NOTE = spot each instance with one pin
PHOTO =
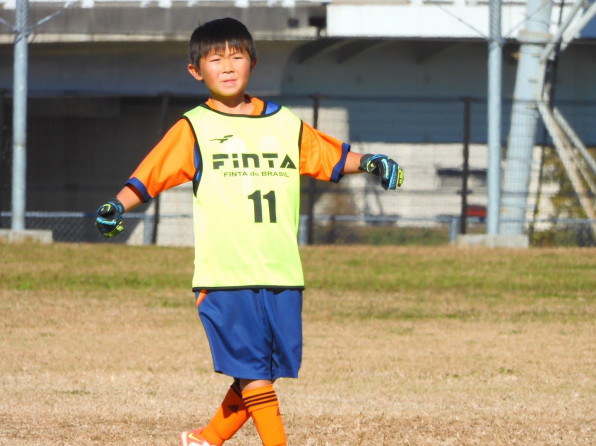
(221, 51)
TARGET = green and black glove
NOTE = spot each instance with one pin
(392, 175)
(108, 218)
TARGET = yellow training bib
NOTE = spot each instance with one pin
(247, 200)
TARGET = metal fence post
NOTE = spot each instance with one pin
(148, 229)
(165, 106)
(312, 185)
(465, 169)
(2, 118)
(453, 227)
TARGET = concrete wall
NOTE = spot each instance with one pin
(346, 66)
(103, 136)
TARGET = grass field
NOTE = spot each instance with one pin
(101, 345)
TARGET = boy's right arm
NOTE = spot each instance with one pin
(129, 198)
(169, 163)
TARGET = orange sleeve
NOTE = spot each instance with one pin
(321, 156)
(170, 163)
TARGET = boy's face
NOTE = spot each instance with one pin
(225, 73)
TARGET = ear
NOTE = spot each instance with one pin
(194, 72)
(253, 62)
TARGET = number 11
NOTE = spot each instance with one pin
(256, 198)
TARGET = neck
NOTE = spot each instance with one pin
(238, 105)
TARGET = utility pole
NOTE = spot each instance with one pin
(19, 118)
(495, 69)
(524, 116)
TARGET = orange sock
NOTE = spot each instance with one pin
(263, 407)
(230, 417)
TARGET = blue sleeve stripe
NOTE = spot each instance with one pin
(136, 183)
(336, 174)
(198, 167)
(197, 157)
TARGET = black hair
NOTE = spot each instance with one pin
(215, 35)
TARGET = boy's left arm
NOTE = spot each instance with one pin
(321, 155)
(391, 173)
(352, 164)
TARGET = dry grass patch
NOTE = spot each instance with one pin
(101, 345)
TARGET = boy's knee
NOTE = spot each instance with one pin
(249, 384)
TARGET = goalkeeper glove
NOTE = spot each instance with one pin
(392, 175)
(108, 218)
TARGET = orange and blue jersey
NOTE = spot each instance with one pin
(173, 161)
(245, 171)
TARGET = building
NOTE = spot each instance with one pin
(106, 78)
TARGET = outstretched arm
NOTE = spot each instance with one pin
(391, 173)
(352, 164)
(168, 164)
(129, 198)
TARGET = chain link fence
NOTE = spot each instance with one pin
(327, 229)
(81, 150)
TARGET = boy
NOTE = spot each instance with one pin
(244, 157)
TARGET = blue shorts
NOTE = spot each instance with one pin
(253, 333)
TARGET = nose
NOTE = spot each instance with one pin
(228, 65)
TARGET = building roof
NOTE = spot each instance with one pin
(172, 20)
